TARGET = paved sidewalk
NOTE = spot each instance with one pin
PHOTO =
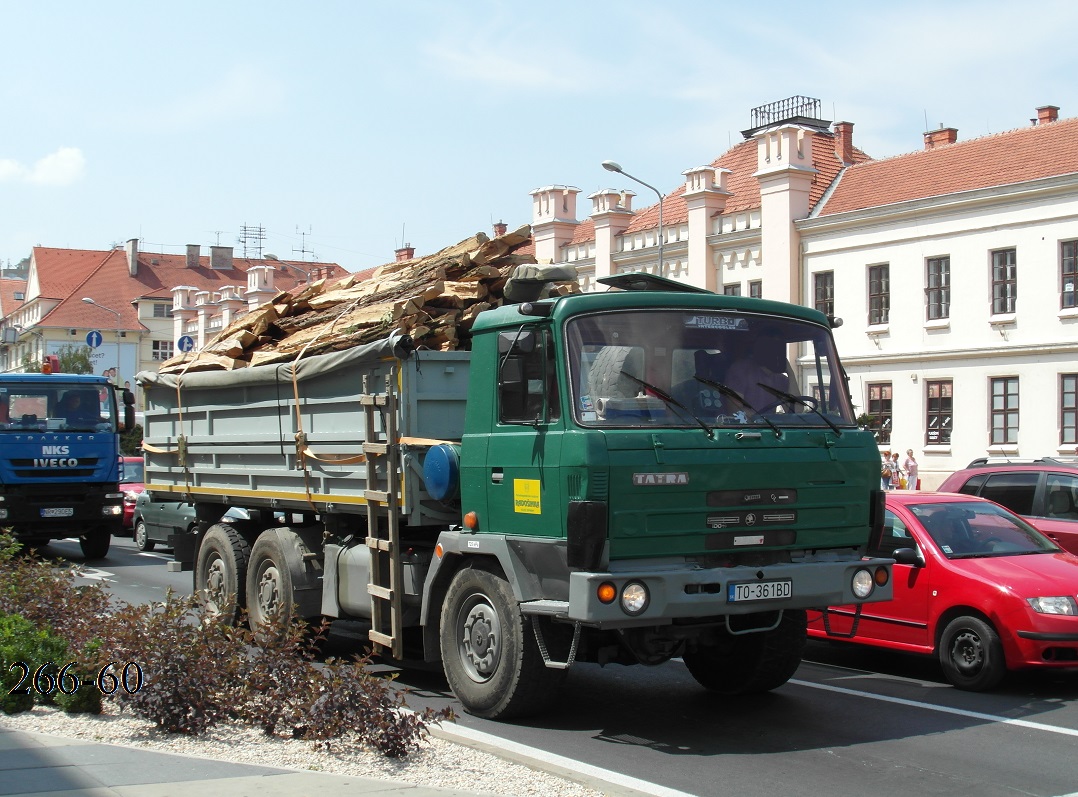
(51, 766)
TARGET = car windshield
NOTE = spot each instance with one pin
(133, 470)
(975, 529)
(47, 407)
(671, 368)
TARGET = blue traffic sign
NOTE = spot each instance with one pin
(93, 338)
(185, 343)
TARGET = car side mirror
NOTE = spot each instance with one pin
(908, 556)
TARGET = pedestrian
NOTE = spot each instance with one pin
(896, 472)
(910, 464)
(885, 471)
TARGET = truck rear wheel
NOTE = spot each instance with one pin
(95, 542)
(749, 663)
(221, 569)
(489, 652)
(282, 580)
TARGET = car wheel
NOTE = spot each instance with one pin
(142, 542)
(971, 654)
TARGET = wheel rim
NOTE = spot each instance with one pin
(479, 633)
(140, 535)
(215, 584)
(269, 591)
(967, 653)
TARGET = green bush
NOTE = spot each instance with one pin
(24, 653)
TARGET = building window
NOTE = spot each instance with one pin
(756, 289)
(1004, 411)
(938, 412)
(938, 287)
(162, 311)
(1068, 289)
(732, 290)
(1068, 409)
(879, 407)
(824, 290)
(1004, 280)
(879, 294)
(162, 349)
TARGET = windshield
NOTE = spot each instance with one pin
(42, 407)
(667, 368)
(975, 529)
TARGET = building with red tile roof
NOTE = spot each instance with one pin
(140, 302)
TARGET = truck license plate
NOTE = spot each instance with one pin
(57, 511)
(759, 591)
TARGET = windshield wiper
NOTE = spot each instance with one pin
(790, 397)
(659, 393)
(726, 390)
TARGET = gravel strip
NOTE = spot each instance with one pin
(437, 763)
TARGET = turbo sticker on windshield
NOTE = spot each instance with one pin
(526, 498)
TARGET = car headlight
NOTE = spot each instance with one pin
(862, 584)
(1054, 605)
(634, 598)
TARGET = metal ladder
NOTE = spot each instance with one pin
(386, 583)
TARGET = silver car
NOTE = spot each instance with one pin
(156, 520)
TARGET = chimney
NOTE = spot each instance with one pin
(937, 138)
(500, 229)
(1047, 113)
(194, 252)
(406, 252)
(844, 141)
(221, 257)
(132, 256)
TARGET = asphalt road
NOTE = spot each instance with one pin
(851, 722)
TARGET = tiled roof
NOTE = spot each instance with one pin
(8, 289)
(111, 285)
(744, 188)
(1028, 153)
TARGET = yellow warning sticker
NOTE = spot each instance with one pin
(526, 496)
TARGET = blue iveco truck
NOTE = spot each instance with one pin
(60, 458)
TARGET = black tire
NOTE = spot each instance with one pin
(95, 542)
(608, 371)
(750, 663)
(283, 581)
(489, 652)
(221, 571)
(142, 542)
(971, 654)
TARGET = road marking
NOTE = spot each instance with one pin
(569, 764)
(94, 574)
(156, 556)
(1038, 726)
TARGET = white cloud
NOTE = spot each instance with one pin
(63, 167)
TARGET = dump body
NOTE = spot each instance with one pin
(60, 459)
(585, 468)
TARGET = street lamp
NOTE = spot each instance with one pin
(611, 166)
(116, 313)
(275, 259)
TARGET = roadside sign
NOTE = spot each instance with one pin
(94, 338)
(185, 343)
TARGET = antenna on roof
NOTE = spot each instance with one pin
(926, 118)
(303, 250)
(252, 237)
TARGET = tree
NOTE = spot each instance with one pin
(75, 359)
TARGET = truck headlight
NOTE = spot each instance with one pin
(634, 598)
(112, 509)
(1054, 605)
(3, 513)
(862, 584)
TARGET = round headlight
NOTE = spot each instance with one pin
(634, 598)
(862, 584)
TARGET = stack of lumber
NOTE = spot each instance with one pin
(434, 299)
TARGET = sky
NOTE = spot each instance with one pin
(344, 130)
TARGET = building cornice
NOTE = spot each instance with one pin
(949, 355)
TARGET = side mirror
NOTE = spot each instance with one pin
(129, 418)
(908, 556)
(520, 342)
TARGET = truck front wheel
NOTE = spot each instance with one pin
(95, 542)
(221, 569)
(747, 663)
(491, 659)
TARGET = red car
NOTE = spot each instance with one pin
(132, 480)
(1043, 491)
(974, 584)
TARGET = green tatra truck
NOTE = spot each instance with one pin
(620, 477)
